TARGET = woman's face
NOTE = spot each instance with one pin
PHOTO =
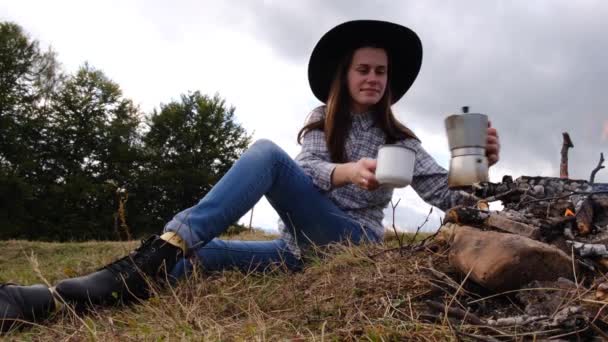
(367, 77)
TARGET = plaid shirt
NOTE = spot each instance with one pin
(364, 206)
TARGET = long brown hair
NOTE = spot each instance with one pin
(338, 119)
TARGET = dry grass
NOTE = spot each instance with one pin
(370, 293)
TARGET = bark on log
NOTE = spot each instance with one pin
(601, 202)
(589, 250)
(501, 261)
(466, 215)
(600, 165)
(584, 216)
(563, 167)
(510, 226)
(506, 221)
(600, 238)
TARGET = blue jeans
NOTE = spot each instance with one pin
(263, 170)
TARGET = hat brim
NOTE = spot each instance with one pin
(402, 44)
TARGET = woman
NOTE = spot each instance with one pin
(327, 194)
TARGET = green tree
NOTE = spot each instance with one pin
(93, 139)
(68, 142)
(27, 79)
(190, 145)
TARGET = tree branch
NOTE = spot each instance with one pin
(422, 225)
(600, 165)
(251, 217)
(399, 238)
(567, 143)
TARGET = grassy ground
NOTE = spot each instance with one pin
(369, 293)
(345, 293)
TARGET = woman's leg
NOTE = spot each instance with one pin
(21, 304)
(265, 169)
(246, 256)
(309, 215)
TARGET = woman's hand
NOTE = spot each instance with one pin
(492, 145)
(362, 174)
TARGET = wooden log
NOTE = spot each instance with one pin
(466, 215)
(589, 249)
(600, 238)
(506, 221)
(584, 216)
(500, 222)
(501, 262)
(601, 202)
(566, 144)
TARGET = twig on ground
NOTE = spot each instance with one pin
(445, 279)
(422, 225)
(599, 331)
(516, 320)
(399, 238)
(477, 337)
(513, 291)
(458, 313)
(422, 242)
(36, 267)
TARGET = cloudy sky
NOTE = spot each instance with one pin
(537, 68)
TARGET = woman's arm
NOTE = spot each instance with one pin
(361, 173)
(316, 162)
(430, 180)
(314, 157)
(342, 175)
(492, 145)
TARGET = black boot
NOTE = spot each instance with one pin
(23, 304)
(124, 280)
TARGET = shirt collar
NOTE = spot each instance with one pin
(364, 120)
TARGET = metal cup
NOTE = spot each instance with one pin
(395, 166)
(467, 136)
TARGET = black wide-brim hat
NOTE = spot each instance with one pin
(402, 44)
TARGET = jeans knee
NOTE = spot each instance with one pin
(267, 148)
(266, 144)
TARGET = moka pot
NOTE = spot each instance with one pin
(467, 136)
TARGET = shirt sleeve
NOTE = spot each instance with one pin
(314, 158)
(430, 181)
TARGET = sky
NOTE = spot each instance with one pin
(536, 68)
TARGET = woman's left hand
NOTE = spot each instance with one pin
(492, 145)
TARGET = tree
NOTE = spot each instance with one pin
(190, 145)
(27, 78)
(67, 142)
(92, 148)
